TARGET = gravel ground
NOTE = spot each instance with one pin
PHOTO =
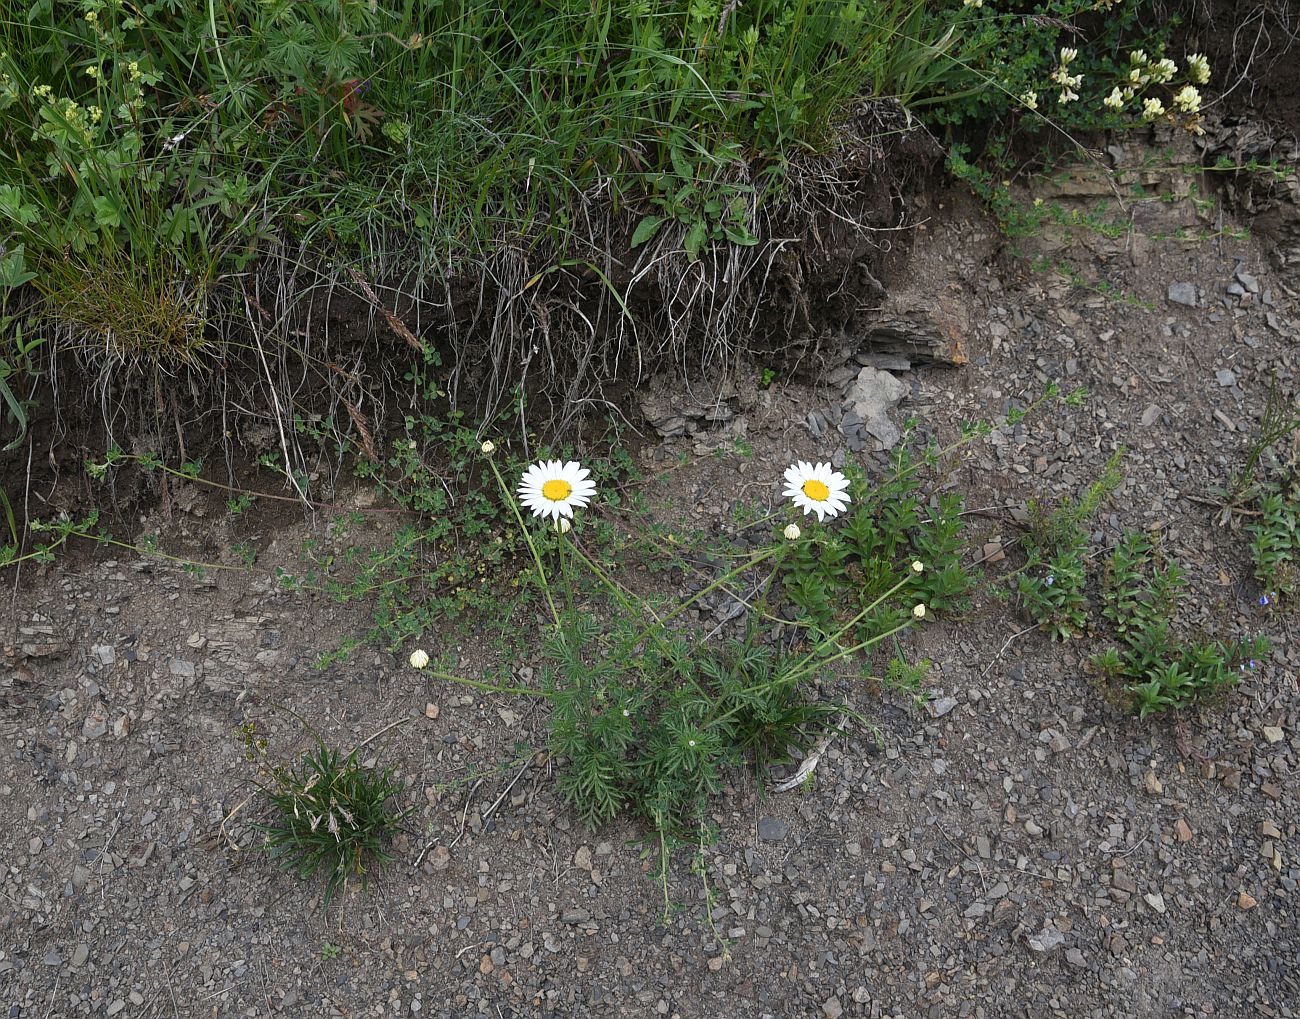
(1017, 848)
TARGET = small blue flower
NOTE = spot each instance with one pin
(1050, 580)
(1254, 664)
(1263, 599)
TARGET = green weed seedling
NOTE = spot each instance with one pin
(1275, 544)
(1155, 669)
(1053, 582)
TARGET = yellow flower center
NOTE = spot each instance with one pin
(816, 490)
(557, 490)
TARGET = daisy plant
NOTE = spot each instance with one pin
(649, 708)
(648, 711)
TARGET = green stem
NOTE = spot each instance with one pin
(834, 638)
(479, 684)
(620, 593)
(802, 669)
(749, 564)
(528, 537)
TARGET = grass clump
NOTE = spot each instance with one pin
(1155, 669)
(1265, 491)
(329, 815)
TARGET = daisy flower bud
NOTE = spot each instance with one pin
(792, 531)
(419, 658)
(918, 567)
(919, 611)
(488, 447)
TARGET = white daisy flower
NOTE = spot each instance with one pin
(553, 489)
(817, 489)
(419, 658)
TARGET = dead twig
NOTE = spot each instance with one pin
(1007, 644)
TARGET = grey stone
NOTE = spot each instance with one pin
(1183, 293)
(1047, 940)
(942, 706)
(1225, 377)
(868, 400)
(772, 829)
(96, 723)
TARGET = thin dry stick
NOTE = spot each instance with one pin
(962, 849)
(370, 739)
(469, 798)
(506, 791)
(1006, 645)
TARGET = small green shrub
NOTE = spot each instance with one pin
(328, 814)
(1155, 669)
